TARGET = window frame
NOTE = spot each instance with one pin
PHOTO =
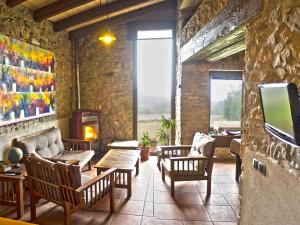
(226, 75)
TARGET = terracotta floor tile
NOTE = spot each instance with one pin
(119, 192)
(91, 218)
(222, 179)
(148, 209)
(214, 199)
(119, 219)
(236, 209)
(139, 184)
(194, 212)
(150, 195)
(233, 199)
(156, 221)
(197, 223)
(185, 187)
(202, 188)
(228, 188)
(161, 186)
(167, 211)
(137, 194)
(163, 197)
(225, 223)
(187, 198)
(105, 205)
(221, 214)
(131, 207)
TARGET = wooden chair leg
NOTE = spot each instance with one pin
(67, 214)
(209, 186)
(158, 162)
(32, 208)
(172, 187)
(90, 165)
(163, 173)
(112, 194)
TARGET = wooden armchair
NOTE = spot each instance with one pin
(62, 184)
(188, 164)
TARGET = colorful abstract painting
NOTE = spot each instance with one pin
(27, 81)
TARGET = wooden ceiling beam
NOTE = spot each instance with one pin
(224, 30)
(126, 18)
(94, 13)
(12, 3)
(56, 8)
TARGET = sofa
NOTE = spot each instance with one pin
(50, 145)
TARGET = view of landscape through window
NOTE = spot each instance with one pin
(226, 102)
(154, 80)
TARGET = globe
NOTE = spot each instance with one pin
(14, 155)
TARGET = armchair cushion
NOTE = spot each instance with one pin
(202, 144)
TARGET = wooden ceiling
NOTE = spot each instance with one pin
(79, 16)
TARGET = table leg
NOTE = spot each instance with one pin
(20, 199)
(137, 167)
(238, 167)
(129, 184)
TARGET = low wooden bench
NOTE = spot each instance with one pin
(124, 161)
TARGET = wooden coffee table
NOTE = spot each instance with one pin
(131, 145)
(124, 161)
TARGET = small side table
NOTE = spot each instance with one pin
(12, 190)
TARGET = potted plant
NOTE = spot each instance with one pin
(166, 127)
(145, 146)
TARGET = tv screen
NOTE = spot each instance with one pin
(280, 106)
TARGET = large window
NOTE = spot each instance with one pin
(154, 80)
(225, 99)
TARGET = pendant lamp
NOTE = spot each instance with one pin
(107, 37)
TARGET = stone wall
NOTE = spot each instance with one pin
(272, 55)
(17, 22)
(106, 82)
(195, 92)
(190, 76)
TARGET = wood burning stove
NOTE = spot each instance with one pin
(86, 125)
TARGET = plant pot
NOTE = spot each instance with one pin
(145, 153)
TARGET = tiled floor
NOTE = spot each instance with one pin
(152, 204)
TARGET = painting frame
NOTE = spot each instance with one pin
(27, 81)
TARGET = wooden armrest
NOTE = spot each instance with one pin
(95, 180)
(56, 160)
(175, 147)
(188, 158)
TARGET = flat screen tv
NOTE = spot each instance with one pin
(281, 111)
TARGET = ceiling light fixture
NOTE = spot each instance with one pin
(107, 36)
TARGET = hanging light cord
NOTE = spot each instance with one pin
(106, 15)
